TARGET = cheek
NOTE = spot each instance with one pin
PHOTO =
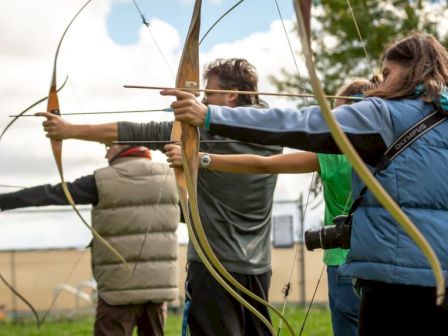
(392, 79)
(217, 100)
(398, 78)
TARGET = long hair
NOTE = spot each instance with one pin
(424, 61)
(235, 74)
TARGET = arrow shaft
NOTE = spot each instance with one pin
(300, 95)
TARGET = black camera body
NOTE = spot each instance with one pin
(332, 236)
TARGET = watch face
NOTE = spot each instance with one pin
(205, 160)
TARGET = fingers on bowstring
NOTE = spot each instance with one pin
(47, 124)
(179, 94)
(195, 93)
(47, 115)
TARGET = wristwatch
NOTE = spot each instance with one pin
(205, 160)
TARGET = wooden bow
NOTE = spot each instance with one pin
(23, 299)
(303, 10)
(56, 145)
(22, 113)
(186, 178)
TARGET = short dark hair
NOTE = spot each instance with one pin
(235, 74)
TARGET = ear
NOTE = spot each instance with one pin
(232, 100)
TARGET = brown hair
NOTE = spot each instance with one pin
(235, 74)
(424, 61)
(359, 86)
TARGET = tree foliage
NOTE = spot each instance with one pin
(338, 48)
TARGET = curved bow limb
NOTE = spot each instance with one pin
(24, 300)
(188, 76)
(22, 113)
(185, 205)
(361, 169)
(56, 145)
(53, 93)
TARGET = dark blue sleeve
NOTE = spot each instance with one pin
(83, 191)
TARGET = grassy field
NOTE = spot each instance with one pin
(318, 324)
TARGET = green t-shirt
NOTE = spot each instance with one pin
(336, 173)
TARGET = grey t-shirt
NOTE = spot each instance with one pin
(235, 209)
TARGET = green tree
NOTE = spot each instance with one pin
(338, 48)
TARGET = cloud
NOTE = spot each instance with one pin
(98, 68)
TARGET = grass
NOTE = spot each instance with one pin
(318, 324)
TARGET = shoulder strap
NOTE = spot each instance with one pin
(407, 138)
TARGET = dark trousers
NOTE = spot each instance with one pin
(215, 312)
(399, 310)
(149, 318)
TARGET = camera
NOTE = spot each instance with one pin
(332, 236)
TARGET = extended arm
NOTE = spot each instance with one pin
(367, 124)
(59, 129)
(292, 163)
(83, 190)
(300, 162)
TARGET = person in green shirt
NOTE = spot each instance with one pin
(335, 172)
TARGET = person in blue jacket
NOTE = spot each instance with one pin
(392, 275)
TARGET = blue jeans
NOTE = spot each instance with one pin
(344, 303)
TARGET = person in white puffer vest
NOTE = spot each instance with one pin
(135, 202)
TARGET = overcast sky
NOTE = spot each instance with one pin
(108, 47)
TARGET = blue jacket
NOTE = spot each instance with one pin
(380, 249)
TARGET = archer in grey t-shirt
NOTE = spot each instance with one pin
(235, 209)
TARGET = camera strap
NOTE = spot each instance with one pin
(400, 144)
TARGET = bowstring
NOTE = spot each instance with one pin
(287, 287)
(148, 24)
(76, 96)
(361, 39)
(300, 78)
(220, 18)
(349, 198)
(66, 280)
(347, 206)
(148, 227)
(312, 301)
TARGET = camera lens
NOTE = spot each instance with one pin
(312, 239)
(330, 237)
(326, 237)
